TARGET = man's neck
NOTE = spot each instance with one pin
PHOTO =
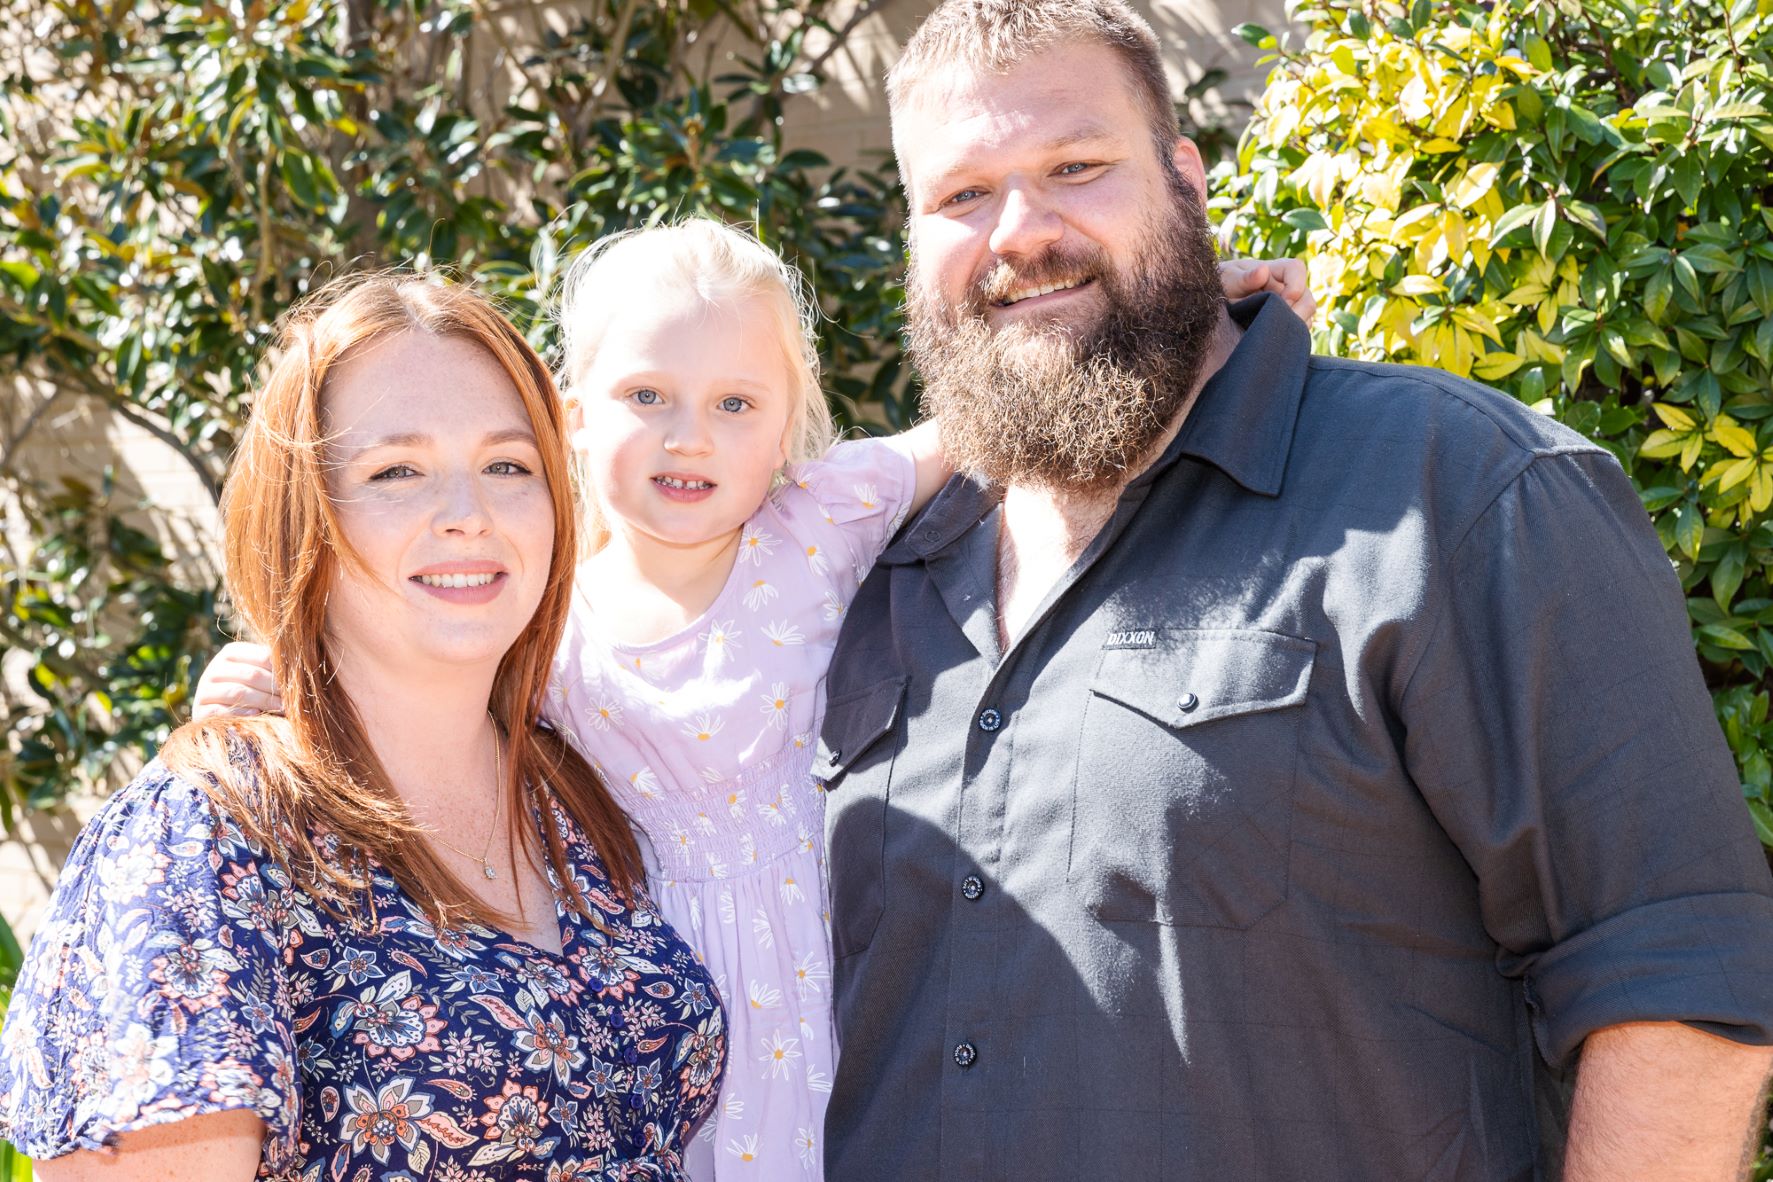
(1043, 531)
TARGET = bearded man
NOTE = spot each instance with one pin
(1256, 765)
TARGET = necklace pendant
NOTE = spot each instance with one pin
(486, 869)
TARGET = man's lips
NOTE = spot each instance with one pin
(1042, 293)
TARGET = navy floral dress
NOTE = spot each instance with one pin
(181, 973)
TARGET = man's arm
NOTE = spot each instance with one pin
(1663, 1102)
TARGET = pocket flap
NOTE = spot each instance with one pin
(853, 724)
(1193, 675)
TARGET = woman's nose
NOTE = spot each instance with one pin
(463, 509)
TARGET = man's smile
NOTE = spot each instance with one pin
(1024, 294)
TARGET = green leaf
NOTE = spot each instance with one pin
(1544, 223)
(1306, 219)
(1726, 577)
(1762, 817)
(1726, 637)
(1512, 220)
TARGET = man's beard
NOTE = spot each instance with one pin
(1047, 405)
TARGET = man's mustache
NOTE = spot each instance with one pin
(1000, 280)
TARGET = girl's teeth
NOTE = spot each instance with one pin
(673, 482)
(457, 580)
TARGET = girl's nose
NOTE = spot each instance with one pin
(688, 435)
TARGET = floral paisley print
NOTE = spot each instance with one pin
(180, 972)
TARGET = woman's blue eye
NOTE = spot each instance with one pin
(733, 404)
(394, 472)
(508, 468)
(646, 397)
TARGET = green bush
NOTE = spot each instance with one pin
(1573, 202)
(174, 176)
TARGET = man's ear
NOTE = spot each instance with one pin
(1187, 158)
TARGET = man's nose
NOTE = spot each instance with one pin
(1025, 225)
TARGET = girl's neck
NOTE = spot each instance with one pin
(645, 590)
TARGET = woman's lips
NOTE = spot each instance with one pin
(482, 587)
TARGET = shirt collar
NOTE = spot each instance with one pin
(1243, 419)
(1242, 423)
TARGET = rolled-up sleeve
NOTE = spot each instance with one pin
(1557, 725)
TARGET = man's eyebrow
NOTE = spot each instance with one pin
(1088, 133)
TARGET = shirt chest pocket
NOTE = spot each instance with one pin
(1183, 797)
(854, 762)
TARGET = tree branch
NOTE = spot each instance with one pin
(30, 423)
(842, 36)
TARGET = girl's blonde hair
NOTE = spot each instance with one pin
(721, 265)
(300, 784)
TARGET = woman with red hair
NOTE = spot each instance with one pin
(401, 930)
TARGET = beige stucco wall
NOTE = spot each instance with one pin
(846, 120)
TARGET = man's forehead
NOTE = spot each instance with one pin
(960, 113)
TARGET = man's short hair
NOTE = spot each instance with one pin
(996, 35)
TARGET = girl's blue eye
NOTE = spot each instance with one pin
(646, 397)
(733, 404)
(394, 472)
(508, 468)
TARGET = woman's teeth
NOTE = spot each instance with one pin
(673, 482)
(457, 580)
(1029, 293)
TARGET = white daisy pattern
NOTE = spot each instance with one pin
(775, 705)
(708, 735)
(780, 1055)
(783, 634)
(755, 545)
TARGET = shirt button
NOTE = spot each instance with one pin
(965, 1055)
(1186, 703)
(971, 887)
(630, 1056)
(990, 720)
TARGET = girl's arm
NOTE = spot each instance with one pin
(217, 1146)
(1240, 278)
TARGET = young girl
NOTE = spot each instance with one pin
(728, 537)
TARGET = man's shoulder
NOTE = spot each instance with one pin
(1445, 411)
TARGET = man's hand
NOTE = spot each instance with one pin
(1284, 277)
(1663, 1102)
(239, 681)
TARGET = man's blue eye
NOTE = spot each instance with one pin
(646, 397)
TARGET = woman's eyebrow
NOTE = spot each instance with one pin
(420, 439)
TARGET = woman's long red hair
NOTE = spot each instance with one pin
(307, 788)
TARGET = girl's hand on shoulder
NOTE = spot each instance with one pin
(239, 682)
(1284, 277)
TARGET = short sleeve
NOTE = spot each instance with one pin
(863, 487)
(1557, 724)
(154, 992)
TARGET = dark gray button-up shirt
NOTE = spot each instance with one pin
(1357, 771)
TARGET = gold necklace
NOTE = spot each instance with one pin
(486, 866)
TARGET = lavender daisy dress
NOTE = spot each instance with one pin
(706, 738)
